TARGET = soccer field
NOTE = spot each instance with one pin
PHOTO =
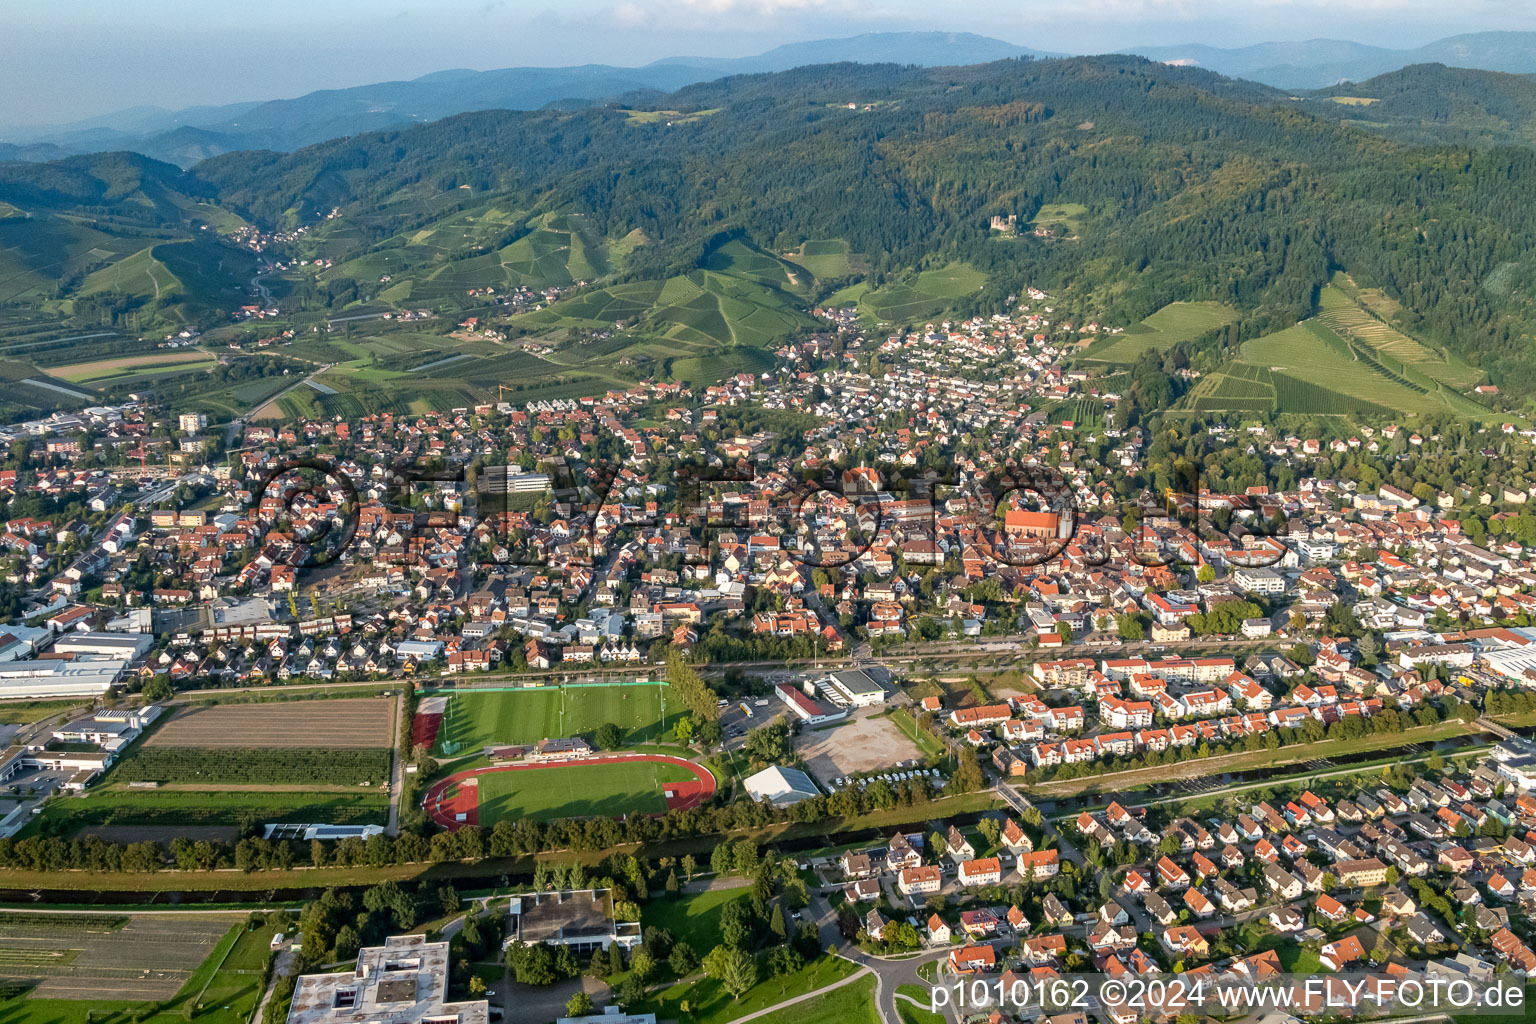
(476, 719)
(577, 791)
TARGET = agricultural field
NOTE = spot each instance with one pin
(741, 298)
(716, 366)
(924, 295)
(1314, 355)
(1174, 323)
(415, 267)
(346, 723)
(738, 259)
(828, 259)
(1236, 388)
(139, 274)
(108, 370)
(225, 765)
(270, 766)
(35, 252)
(668, 117)
(105, 968)
(724, 309)
(111, 806)
(176, 281)
(1084, 412)
(1343, 308)
(475, 719)
(408, 372)
(849, 295)
(577, 791)
(597, 307)
(116, 957)
(28, 387)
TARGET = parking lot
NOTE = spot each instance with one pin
(738, 717)
(863, 743)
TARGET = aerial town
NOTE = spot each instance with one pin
(914, 524)
(1036, 691)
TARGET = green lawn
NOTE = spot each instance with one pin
(1528, 1014)
(854, 1003)
(476, 719)
(577, 791)
(24, 712)
(916, 1014)
(709, 1003)
(1295, 958)
(695, 918)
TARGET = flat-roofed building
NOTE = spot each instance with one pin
(40, 680)
(403, 981)
(859, 687)
(610, 1015)
(808, 710)
(504, 480)
(580, 918)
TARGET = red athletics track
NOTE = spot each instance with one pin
(444, 810)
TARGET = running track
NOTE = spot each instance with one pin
(445, 810)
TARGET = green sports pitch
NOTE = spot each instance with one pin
(577, 791)
(475, 719)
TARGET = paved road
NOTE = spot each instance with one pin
(280, 970)
(892, 974)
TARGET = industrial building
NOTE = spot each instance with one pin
(116, 646)
(856, 687)
(48, 679)
(807, 709)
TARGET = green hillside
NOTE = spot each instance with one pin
(1175, 322)
(686, 233)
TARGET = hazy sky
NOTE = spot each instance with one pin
(69, 59)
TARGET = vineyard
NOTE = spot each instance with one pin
(255, 766)
(1238, 388)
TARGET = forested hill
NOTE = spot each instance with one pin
(1196, 186)
(1431, 103)
(1183, 185)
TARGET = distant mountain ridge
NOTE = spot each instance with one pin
(1319, 63)
(185, 137)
